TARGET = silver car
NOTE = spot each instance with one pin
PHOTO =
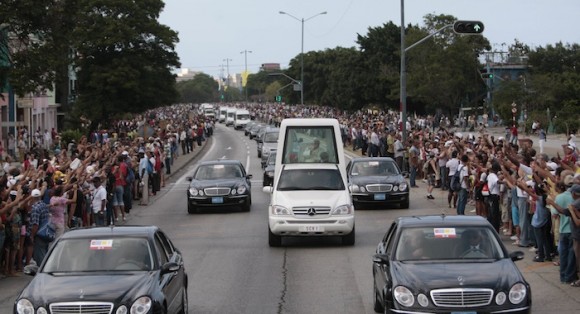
(269, 141)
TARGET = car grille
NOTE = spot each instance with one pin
(311, 211)
(216, 191)
(379, 187)
(81, 307)
(462, 297)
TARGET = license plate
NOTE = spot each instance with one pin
(310, 229)
(217, 200)
(380, 197)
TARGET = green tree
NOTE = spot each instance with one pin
(125, 57)
(202, 88)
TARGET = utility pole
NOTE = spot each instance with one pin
(245, 52)
(228, 71)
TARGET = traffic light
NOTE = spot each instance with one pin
(487, 75)
(278, 98)
(468, 27)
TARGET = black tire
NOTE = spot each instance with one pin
(184, 304)
(349, 239)
(274, 240)
(404, 205)
(191, 209)
(259, 154)
(247, 205)
(378, 306)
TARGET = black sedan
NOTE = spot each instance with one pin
(269, 169)
(219, 183)
(128, 269)
(377, 181)
(447, 264)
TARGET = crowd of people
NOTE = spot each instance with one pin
(525, 194)
(94, 181)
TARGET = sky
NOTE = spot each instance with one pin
(213, 34)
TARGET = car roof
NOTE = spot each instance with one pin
(138, 231)
(272, 129)
(220, 162)
(442, 221)
(363, 159)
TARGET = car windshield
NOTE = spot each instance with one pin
(104, 254)
(219, 171)
(432, 243)
(310, 179)
(243, 117)
(311, 144)
(271, 137)
(374, 168)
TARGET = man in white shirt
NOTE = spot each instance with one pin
(374, 150)
(451, 166)
(399, 151)
(462, 194)
(493, 214)
(99, 202)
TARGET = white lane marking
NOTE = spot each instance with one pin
(229, 147)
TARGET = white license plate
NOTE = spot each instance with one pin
(310, 229)
(380, 197)
(217, 200)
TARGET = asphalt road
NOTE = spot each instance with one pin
(233, 270)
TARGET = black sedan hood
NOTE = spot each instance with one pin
(361, 180)
(417, 276)
(118, 288)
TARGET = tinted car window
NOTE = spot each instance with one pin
(311, 179)
(448, 243)
(374, 168)
(219, 171)
(310, 145)
(163, 258)
(86, 255)
(166, 244)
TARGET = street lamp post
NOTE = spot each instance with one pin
(245, 52)
(302, 20)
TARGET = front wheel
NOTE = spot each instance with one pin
(184, 304)
(274, 240)
(191, 209)
(405, 204)
(378, 306)
(349, 238)
(247, 205)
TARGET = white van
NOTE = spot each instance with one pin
(223, 112)
(310, 194)
(230, 116)
(241, 118)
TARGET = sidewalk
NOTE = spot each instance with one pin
(11, 286)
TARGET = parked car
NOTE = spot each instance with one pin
(219, 183)
(269, 169)
(254, 130)
(376, 181)
(117, 269)
(269, 142)
(443, 264)
(249, 126)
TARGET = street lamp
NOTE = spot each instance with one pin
(245, 52)
(302, 20)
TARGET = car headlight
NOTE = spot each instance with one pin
(234, 191)
(280, 210)
(24, 306)
(241, 189)
(193, 191)
(141, 305)
(403, 186)
(346, 209)
(395, 188)
(41, 310)
(362, 189)
(121, 310)
(500, 298)
(404, 296)
(517, 293)
(423, 300)
(354, 188)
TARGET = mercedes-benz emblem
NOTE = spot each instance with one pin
(460, 279)
(311, 211)
(82, 294)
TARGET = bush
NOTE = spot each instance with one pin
(69, 135)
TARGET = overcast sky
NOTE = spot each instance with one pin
(213, 31)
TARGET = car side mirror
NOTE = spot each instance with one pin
(381, 259)
(249, 176)
(268, 189)
(517, 256)
(189, 178)
(405, 174)
(30, 270)
(169, 267)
